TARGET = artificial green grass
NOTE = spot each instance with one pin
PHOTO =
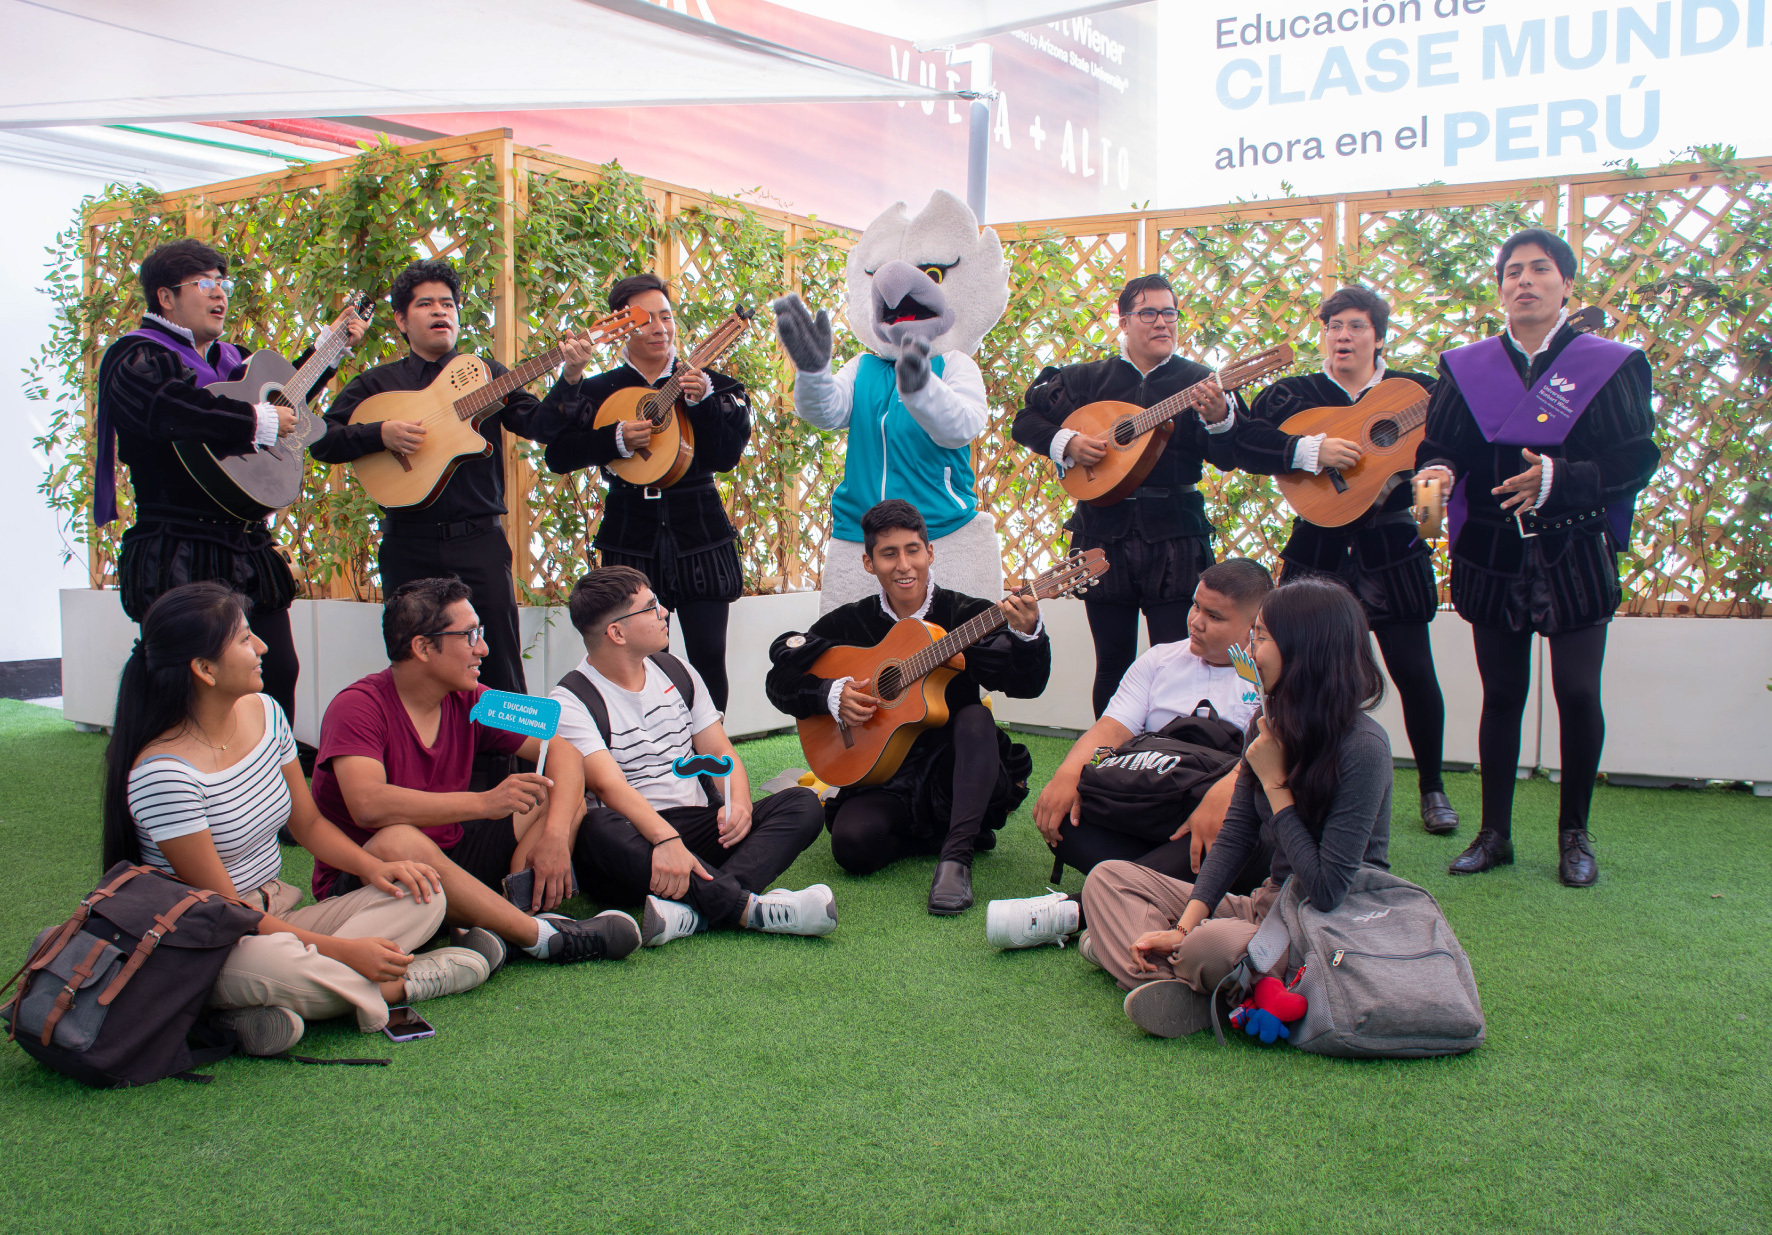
(901, 1075)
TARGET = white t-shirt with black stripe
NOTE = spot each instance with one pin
(648, 731)
(241, 807)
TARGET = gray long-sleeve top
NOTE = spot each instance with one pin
(1357, 831)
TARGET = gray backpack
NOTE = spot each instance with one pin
(1383, 973)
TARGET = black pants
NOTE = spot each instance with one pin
(703, 623)
(614, 862)
(1409, 657)
(480, 557)
(1504, 660)
(1114, 629)
(873, 830)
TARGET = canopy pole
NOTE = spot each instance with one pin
(978, 148)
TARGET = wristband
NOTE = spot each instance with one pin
(667, 840)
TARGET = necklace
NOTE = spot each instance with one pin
(204, 737)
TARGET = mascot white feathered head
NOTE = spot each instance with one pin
(935, 277)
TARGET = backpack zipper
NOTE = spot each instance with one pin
(1335, 961)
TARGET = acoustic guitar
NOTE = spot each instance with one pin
(451, 409)
(908, 672)
(1387, 424)
(664, 460)
(254, 483)
(1138, 435)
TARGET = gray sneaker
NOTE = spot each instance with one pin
(445, 971)
(1086, 950)
(264, 1031)
(483, 941)
(1169, 1008)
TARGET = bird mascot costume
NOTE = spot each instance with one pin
(922, 293)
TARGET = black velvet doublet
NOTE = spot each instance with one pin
(1566, 576)
(1380, 557)
(1017, 667)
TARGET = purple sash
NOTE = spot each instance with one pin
(104, 479)
(1535, 418)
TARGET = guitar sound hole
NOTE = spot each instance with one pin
(1123, 433)
(887, 683)
(1385, 434)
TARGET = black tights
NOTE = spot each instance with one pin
(1409, 657)
(1114, 628)
(1504, 659)
(278, 664)
(703, 623)
(871, 830)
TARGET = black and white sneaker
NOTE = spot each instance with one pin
(609, 936)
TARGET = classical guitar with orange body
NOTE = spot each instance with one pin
(909, 671)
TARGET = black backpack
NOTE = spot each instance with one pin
(1153, 782)
(586, 692)
(110, 996)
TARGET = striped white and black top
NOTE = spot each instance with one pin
(241, 807)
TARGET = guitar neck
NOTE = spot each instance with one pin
(950, 645)
(325, 356)
(712, 348)
(481, 402)
(1194, 396)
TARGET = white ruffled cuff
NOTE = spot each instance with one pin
(1230, 418)
(1544, 485)
(1304, 455)
(269, 422)
(834, 701)
(1060, 440)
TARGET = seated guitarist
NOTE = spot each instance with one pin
(461, 533)
(150, 395)
(679, 538)
(958, 783)
(1157, 540)
(1379, 557)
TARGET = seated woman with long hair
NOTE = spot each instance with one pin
(200, 775)
(1315, 783)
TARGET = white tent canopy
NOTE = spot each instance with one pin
(115, 61)
(939, 23)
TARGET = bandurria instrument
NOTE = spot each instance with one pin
(1138, 435)
(255, 483)
(663, 461)
(1387, 424)
(908, 672)
(451, 409)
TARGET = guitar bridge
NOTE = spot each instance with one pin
(405, 463)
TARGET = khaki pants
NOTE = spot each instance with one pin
(279, 970)
(1123, 900)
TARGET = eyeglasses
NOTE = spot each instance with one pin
(473, 636)
(209, 285)
(657, 606)
(1151, 317)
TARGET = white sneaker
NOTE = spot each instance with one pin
(1030, 921)
(811, 911)
(445, 971)
(667, 920)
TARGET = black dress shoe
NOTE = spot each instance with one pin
(1489, 850)
(1576, 868)
(1437, 815)
(951, 891)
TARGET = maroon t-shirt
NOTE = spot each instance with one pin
(367, 718)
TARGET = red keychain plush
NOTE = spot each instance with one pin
(1265, 1013)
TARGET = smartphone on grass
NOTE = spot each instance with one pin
(404, 1025)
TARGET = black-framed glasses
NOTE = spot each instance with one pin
(473, 635)
(657, 606)
(207, 284)
(1151, 317)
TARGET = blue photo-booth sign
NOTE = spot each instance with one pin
(529, 715)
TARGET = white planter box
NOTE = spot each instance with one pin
(1685, 698)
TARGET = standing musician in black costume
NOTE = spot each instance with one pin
(680, 538)
(150, 395)
(461, 533)
(1547, 434)
(1380, 558)
(1158, 540)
